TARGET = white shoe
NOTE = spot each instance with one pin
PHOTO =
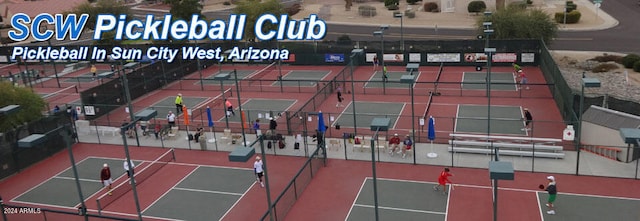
(435, 188)
(523, 129)
(261, 184)
(547, 205)
(551, 212)
(404, 155)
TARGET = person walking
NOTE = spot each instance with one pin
(273, 125)
(171, 118)
(179, 103)
(105, 177)
(258, 168)
(527, 120)
(443, 179)
(385, 77)
(94, 71)
(375, 62)
(128, 167)
(340, 99)
(229, 106)
(256, 127)
(553, 192)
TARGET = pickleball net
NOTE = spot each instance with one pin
(140, 176)
(256, 76)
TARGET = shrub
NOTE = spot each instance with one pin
(571, 6)
(344, 40)
(572, 17)
(359, 1)
(430, 6)
(636, 66)
(391, 2)
(412, 2)
(410, 14)
(604, 67)
(476, 7)
(293, 9)
(529, 2)
(226, 3)
(392, 7)
(367, 10)
(630, 60)
(520, 5)
(607, 58)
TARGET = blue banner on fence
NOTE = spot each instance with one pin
(334, 58)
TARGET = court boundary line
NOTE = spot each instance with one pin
(176, 163)
(314, 83)
(207, 191)
(288, 107)
(344, 111)
(80, 179)
(46, 180)
(356, 198)
(238, 200)
(515, 82)
(388, 81)
(540, 206)
(48, 95)
(524, 122)
(94, 194)
(404, 210)
(91, 210)
(455, 124)
(169, 190)
(210, 78)
(398, 117)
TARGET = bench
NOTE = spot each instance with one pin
(104, 129)
(520, 146)
(365, 144)
(507, 152)
(521, 139)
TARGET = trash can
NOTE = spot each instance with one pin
(203, 142)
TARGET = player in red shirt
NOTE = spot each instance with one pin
(394, 143)
(443, 179)
(105, 177)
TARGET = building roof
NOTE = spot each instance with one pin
(33, 8)
(610, 118)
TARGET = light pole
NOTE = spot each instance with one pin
(400, 15)
(591, 83)
(410, 79)
(489, 52)
(125, 84)
(221, 77)
(235, 76)
(377, 125)
(381, 34)
(354, 54)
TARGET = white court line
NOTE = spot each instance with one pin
(169, 190)
(404, 210)
(537, 191)
(398, 117)
(539, 206)
(356, 198)
(446, 209)
(81, 179)
(44, 181)
(240, 198)
(207, 191)
(455, 123)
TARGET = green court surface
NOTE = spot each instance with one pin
(242, 74)
(407, 200)
(393, 80)
(61, 189)
(575, 207)
(499, 81)
(87, 77)
(255, 107)
(366, 111)
(302, 78)
(504, 119)
(169, 104)
(206, 194)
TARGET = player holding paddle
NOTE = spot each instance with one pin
(443, 179)
(553, 192)
(259, 170)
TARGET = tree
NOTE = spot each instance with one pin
(184, 9)
(113, 7)
(31, 105)
(519, 23)
(253, 9)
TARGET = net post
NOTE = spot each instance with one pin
(99, 207)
